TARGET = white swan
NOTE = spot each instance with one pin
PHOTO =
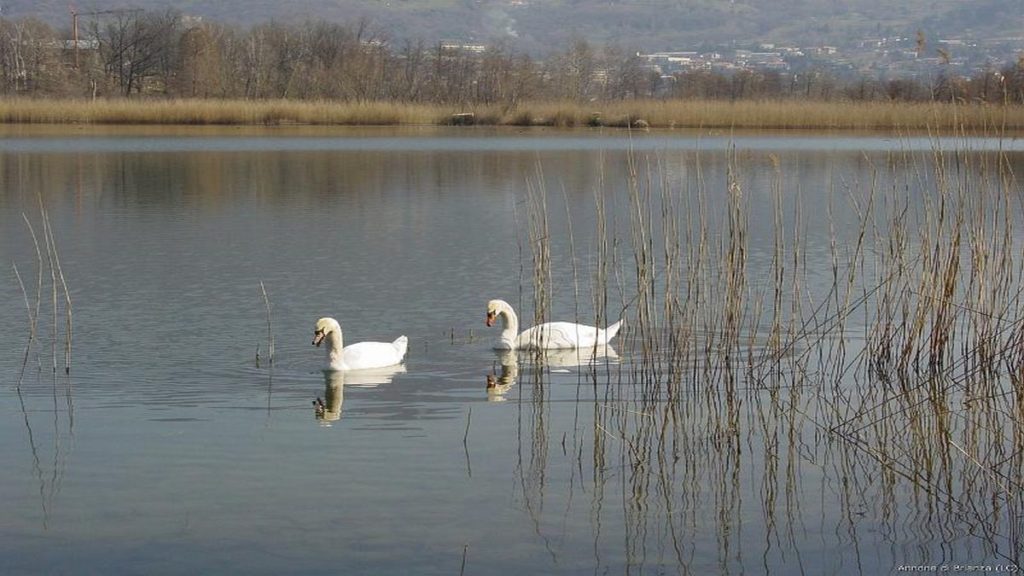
(360, 356)
(544, 336)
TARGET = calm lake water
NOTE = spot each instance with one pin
(169, 449)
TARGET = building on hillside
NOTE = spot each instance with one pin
(455, 46)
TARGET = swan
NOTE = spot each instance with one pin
(360, 356)
(544, 336)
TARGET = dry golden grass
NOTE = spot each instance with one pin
(776, 115)
(788, 115)
(214, 112)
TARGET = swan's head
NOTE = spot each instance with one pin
(494, 308)
(324, 327)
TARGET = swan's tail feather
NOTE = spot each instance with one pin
(608, 333)
(402, 344)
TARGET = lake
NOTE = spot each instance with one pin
(818, 371)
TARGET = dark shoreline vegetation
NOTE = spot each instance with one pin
(680, 114)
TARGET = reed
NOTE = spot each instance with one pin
(32, 328)
(902, 376)
(270, 329)
(57, 273)
(540, 245)
(692, 114)
(44, 242)
(60, 295)
(33, 313)
(215, 112)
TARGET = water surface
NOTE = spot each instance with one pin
(170, 449)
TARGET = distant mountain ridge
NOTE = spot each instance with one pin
(539, 26)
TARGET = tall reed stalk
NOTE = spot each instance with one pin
(60, 295)
(270, 328)
(540, 245)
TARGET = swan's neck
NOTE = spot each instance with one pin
(334, 347)
(509, 329)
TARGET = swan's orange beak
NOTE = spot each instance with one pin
(318, 337)
(490, 319)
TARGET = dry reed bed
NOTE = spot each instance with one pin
(905, 376)
(211, 112)
(789, 115)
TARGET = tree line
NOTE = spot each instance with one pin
(132, 53)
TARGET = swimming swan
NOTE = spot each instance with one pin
(544, 336)
(360, 356)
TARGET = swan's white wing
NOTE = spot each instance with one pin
(558, 335)
(364, 355)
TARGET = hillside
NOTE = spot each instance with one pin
(540, 25)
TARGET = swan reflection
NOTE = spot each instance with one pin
(371, 377)
(328, 409)
(498, 384)
(573, 357)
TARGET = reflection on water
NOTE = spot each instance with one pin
(50, 435)
(574, 357)
(555, 359)
(328, 409)
(754, 440)
(499, 384)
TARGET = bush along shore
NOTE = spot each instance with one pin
(641, 114)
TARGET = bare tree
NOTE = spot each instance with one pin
(29, 57)
(1012, 81)
(136, 46)
(627, 75)
(575, 70)
(200, 68)
(454, 73)
(285, 52)
(494, 83)
(412, 70)
(906, 90)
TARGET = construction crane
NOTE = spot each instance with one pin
(74, 21)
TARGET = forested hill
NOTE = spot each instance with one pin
(539, 25)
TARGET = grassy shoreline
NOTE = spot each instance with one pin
(768, 115)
